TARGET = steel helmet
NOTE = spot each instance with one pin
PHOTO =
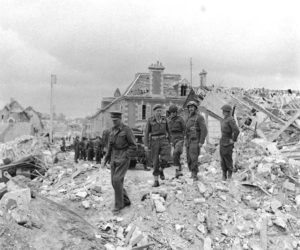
(192, 103)
(226, 107)
(173, 108)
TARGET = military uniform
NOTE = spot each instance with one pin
(177, 129)
(230, 132)
(76, 149)
(196, 133)
(90, 150)
(121, 146)
(158, 132)
(98, 150)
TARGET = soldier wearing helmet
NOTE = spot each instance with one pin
(196, 133)
(230, 132)
(157, 130)
(177, 129)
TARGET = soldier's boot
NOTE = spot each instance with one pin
(156, 183)
(178, 173)
(146, 168)
(195, 176)
(224, 176)
(229, 175)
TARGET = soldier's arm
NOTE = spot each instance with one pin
(131, 142)
(168, 132)
(108, 153)
(203, 129)
(235, 129)
(147, 131)
(183, 125)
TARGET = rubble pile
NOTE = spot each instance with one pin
(69, 205)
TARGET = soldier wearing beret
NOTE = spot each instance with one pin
(120, 147)
(196, 133)
(177, 129)
(157, 130)
(230, 133)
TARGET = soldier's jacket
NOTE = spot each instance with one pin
(155, 128)
(90, 145)
(98, 145)
(229, 130)
(121, 144)
(76, 145)
(177, 128)
(196, 128)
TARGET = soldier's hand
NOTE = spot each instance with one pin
(146, 148)
(231, 141)
(200, 145)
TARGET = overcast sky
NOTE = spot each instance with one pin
(96, 46)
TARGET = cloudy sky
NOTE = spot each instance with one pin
(95, 46)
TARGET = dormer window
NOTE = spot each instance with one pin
(183, 89)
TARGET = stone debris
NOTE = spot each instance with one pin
(257, 209)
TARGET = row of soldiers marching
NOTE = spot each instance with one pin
(88, 149)
(162, 134)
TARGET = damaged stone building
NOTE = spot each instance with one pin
(16, 121)
(136, 103)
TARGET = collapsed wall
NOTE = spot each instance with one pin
(15, 130)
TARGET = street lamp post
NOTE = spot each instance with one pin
(53, 81)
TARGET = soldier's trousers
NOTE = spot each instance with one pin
(118, 170)
(76, 156)
(90, 154)
(160, 153)
(83, 154)
(192, 154)
(178, 147)
(226, 157)
(98, 154)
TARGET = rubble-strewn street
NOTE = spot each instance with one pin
(68, 206)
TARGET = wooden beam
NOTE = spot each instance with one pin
(285, 126)
(260, 108)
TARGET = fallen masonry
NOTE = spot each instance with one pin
(56, 204)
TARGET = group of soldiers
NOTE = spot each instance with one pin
(88, 149)
(163, 134)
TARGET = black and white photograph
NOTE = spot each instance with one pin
(149, 125)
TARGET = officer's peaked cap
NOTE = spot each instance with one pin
(115, 115)
(226, 107)
(157, 106)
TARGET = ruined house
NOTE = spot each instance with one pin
(136, 103)
(16, 121)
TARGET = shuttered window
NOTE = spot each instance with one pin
(139, 112)
(148, 111)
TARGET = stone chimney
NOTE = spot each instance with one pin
(156, 78)
(203, 78)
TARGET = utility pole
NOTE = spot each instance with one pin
(191, 68)
(53, 81)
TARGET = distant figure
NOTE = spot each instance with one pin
(90, 150)
(230, 132)
(76, 149)
(63, 145)
(98, 149)
(105, 139)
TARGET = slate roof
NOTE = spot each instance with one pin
(141, 85)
